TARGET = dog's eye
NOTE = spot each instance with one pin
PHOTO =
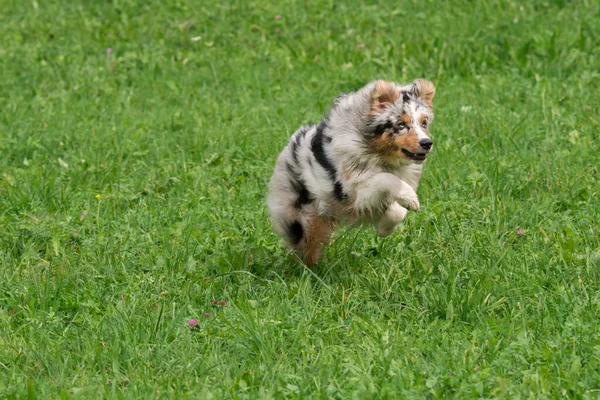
(401, 125)
(424, 124)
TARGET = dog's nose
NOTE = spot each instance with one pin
(426, 144)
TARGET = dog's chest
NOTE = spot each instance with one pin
(409, 174)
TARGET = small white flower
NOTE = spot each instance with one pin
(196, 38)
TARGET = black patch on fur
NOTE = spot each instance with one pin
(316, 146)
(296, 232)
(338, 191)
(296, 142)
(405, 97)
(380, 129)
(295, 145)
(304, 195)
(318, 151)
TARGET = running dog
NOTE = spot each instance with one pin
(360, 164)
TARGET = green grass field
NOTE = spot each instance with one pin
(133, 185)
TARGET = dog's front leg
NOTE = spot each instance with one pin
(387, 199)
(376, 194)
(391, 218)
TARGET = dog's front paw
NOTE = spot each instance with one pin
(408, 199)
(390, 219)
(384, 231)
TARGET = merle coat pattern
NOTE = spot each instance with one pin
(360, 164)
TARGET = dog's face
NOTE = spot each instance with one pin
(399, 121)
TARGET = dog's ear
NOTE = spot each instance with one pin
(425, 90)
(383, 95)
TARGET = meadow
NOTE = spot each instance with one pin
(137, 139)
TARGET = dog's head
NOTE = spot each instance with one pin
(399, 119)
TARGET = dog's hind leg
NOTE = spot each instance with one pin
(317, 233)
(305, 231)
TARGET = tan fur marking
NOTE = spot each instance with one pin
(422, 119)
(406, 119)
(390, 147)
(318, 233)
(383, 145)
(425, 90)
(384, 94)
(408, 142)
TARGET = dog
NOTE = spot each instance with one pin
(360, 165)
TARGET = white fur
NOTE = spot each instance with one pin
(390, 220)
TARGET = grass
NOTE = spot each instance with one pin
(132, 193)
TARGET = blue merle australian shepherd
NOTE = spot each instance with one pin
(360, 164)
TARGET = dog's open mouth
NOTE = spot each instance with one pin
(415, 156)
